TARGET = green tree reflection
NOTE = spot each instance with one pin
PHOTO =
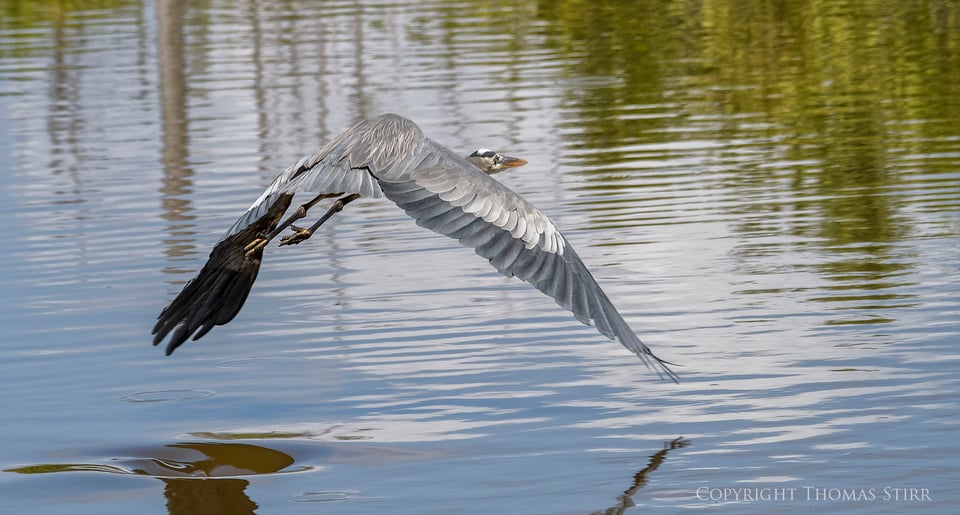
(840, 106)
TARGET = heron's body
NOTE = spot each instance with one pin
(388, 156)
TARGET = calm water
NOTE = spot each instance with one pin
(771, 195)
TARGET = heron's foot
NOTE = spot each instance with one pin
(254, 246)
(299, 234)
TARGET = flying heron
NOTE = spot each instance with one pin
(389, 156)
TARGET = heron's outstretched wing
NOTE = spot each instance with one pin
(449, 196)
(342, 166)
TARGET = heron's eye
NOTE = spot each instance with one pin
(497, 158)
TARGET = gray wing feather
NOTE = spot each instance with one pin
(382, 146)
(449, 196)
(318, 174)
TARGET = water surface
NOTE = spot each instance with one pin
(770, 195)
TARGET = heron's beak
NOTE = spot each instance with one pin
(512, 162)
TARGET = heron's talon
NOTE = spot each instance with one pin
(299, 234)
(254, 246)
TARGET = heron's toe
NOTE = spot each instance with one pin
(254, 246)
(299, 234)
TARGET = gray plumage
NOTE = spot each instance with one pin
(389, 156)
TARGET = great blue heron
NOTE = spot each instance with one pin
(389, 156)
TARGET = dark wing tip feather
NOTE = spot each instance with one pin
(213, 298)
(657, 364)
(660, 367)
(662, 363)
(651, 360)
(216, 294)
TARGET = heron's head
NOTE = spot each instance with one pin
(491, 162)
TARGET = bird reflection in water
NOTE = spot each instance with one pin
(198, 477)
(625, 500)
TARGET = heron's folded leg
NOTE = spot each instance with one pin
(301, 234)
(261, 241)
